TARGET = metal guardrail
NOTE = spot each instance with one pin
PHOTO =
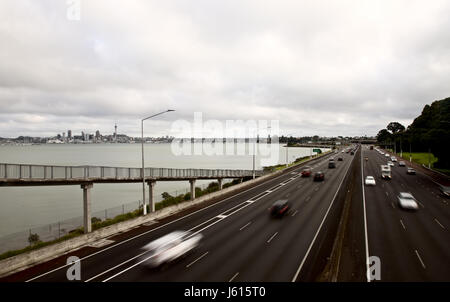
(44, 172)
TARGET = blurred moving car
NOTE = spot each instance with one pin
(445, 190)
(171, 247)
(319, 176)
(280, 208)
(386, 172)
(393, 158)
(370, 181)
(340, 158)
(386, 155)
(411, 171)
(407, 201)
(389, 163)
(401, 163)
(331, 164)
(306, 172)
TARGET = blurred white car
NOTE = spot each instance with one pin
(407, 201)
(171, 247)
(389, 163)
(387, 155)
(370, 181)
(393, 158)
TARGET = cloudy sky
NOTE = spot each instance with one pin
(319, 67)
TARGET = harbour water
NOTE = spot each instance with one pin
(22, 208)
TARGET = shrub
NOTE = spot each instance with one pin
(33, 239)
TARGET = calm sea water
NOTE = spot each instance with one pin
(22, 208)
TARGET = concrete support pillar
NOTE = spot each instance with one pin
(192, 182)
(220, 180)
(87, 207)
(151, 203)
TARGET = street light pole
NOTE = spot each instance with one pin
(254, 151)
(142, 151)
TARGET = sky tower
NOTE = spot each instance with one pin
(115, 132)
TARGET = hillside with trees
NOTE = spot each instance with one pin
(429, 132)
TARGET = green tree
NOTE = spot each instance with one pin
(166, 195)
(384, 136)
(395, 127)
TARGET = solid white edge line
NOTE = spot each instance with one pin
(120, 264)
(365, 221)
(320, 227)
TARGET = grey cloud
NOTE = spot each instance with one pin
(323, 67)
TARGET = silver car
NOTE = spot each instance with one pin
(407, 201)
(171, 247)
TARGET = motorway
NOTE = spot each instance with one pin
(412, 246)
(241, 242)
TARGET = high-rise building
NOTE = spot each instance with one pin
(97, 134)
(115, 132)
(69, 134)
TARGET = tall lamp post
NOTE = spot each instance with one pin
(254, 149)
(142, 151)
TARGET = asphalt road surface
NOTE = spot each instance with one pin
(241, 242)
(412, 246)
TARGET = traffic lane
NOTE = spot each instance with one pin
(114, 256)
(386, 237)
(111, 272)
(296, 235)
(426, 192)
(417, 231)
(430, 242)
(220, 243)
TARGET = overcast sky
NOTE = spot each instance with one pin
(319, 67)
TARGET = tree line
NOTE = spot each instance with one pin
(429, 132)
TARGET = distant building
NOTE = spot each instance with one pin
(69, 134)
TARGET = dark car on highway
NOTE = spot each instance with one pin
(280, 208)
(331, 164)
(306, 171)
(340, 159)
(411, 171)
(319, 176)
